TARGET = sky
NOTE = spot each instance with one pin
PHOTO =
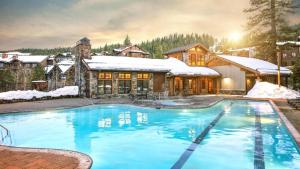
(55, 23)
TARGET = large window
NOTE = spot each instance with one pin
(105, 83)
(142, 82)
(124, 83)
(196, 59)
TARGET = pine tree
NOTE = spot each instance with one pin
(127, 41)
(38, 73)
(6, 77)
(296, 75)
(267, 18)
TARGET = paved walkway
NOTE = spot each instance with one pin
(54, 104)
(177, 102)
(292, 114)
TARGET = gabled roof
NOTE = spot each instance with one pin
(65, 65)
(171, 65)
(121, 49)
(185, 48)
(255, 65)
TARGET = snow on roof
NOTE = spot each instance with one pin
(138, 51)
(297, 43)
(48, 69)
(32, 58)
(261, 66)
(184, 48)
(180, 68)
(24, 58)
(65, 65)
(64, 68)
(125, 63)
(241, 49)
(17, 53)
(122, 63)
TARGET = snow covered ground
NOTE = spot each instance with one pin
(269, 90)
(29, 94)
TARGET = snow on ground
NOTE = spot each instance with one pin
(29, 94)
(270, 90)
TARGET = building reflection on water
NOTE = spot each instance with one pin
(94, 121)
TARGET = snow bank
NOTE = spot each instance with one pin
(269, 90)
(30, 94)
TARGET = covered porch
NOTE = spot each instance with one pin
(193, 85)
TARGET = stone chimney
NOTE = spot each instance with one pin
(82, 50)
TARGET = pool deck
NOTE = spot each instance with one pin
(191, 102)
(31, 158)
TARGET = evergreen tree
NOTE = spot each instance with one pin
(296, 75)
(38, 73)
(6, 77)
(267, 18)
(127, 41)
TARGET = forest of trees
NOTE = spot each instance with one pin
(155, 47)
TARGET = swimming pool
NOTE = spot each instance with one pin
(242, 134)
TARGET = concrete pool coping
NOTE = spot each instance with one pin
(24, 155)
(85, 161)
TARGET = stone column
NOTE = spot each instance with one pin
(185, 86)
(150, 90)
(93, 75)
(134, 83)
(115, 84)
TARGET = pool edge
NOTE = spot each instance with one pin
(85, 161)
(293, 131)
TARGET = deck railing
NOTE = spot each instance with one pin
(5, 136)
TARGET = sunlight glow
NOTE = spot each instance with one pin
(235, 36)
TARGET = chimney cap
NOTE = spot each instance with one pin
(83, 41)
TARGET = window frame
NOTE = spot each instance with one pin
(106, 79)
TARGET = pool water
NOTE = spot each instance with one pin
(131, 137)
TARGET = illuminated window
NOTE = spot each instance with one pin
(105, 75)
(124, 83)
(144, 76)
(105, 83)
(142, 82)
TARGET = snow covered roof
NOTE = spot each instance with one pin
(65, 65)
(23, 58)
(32, 58)
(297, 43)
(48, 69)
(119, 50)
(171, 65)
(125, 64)
(260, 66)
(241, 49)
(184, 48)
(17, 53)
(178, 67)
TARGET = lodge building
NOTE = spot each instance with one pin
(184, 71)
(187, 70)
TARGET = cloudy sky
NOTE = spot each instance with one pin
(54, 23)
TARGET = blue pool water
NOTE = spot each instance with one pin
(130, 137)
